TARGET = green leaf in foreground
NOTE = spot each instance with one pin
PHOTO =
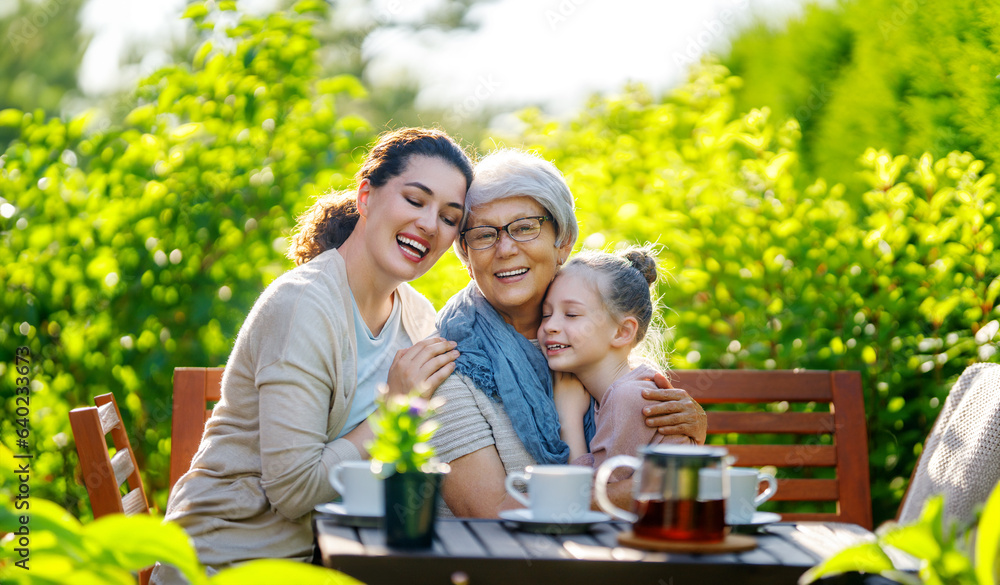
(160, 542)
(867, 558)
(988, 541)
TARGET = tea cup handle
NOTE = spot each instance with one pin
(772, 487)
(335, 480)
(601, 485)
(508, 484)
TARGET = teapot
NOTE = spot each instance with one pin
(680, 492)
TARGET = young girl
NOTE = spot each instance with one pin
(596, 311)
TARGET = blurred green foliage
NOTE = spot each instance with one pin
(771, 269)
(130, 250)
(42, 49)
(908, 76)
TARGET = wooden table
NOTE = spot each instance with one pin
(493, 551)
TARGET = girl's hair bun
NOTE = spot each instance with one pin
(642, 260)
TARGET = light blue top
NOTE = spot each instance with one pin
(375, 355)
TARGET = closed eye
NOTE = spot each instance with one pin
(414, 202)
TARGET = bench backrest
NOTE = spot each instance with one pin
(800, 421)
(832, 436)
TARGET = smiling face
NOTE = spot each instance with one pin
(513, 275)
(576, 331)
(413, 218)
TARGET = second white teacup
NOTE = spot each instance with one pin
(556, 493)
(743, 500)
(362, 491)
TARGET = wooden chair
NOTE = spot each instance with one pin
(103, 475)
(839, 414)
(194, 390)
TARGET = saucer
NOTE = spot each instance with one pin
(527, 522)
(760, 519)
(340, 515)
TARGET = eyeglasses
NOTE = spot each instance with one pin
(520, 230)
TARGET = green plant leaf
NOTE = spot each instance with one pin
(866, 558)
(164, 542)
(915, 539)
(45, 517)
(270, 571)
(987, 553)
(195, 11)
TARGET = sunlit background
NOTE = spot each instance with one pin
(504, 55)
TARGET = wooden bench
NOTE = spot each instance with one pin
(840, 415)
(759, 402)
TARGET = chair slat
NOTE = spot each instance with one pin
(109, 417)
(801, 423)
(134, 502)
(812, 517)
(784, 455)
(718, 386)
(121, 463)
(807, 490)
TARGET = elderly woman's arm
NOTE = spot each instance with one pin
(473, 433)
(475, 486)
(674, 412)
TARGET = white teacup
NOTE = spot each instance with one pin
(556, 493)
(743, 497)
(362, 491)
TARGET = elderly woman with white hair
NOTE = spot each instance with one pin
(499, 415)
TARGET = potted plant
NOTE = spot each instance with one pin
(947, 556)
(413, 477)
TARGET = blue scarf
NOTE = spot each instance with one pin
(509, 369)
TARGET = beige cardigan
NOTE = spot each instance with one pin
(286, 394)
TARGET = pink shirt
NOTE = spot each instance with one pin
(621, 426)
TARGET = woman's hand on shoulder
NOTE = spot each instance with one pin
(674, 411)
(422, 366)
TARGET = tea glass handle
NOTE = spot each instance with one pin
(601, 485)
(772, 487)
(508, 484)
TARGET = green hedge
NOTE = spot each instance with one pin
(770, 268)
(131, 250)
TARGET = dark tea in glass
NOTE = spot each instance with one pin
(679, 492)
(681, 520)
